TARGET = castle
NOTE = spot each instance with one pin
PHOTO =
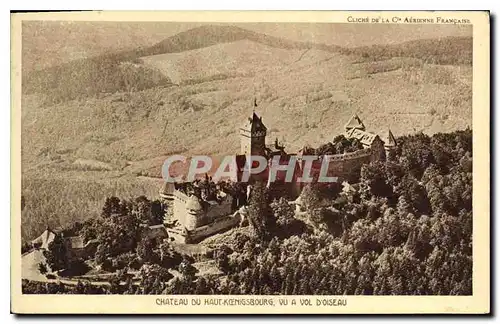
(203, 208)
(346, 166)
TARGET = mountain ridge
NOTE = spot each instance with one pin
(91, 76)
(79, 78)
(208, 35)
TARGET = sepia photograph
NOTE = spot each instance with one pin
(238, 161)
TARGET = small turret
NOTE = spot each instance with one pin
(389, 140)
(354, 123)
(389, 144)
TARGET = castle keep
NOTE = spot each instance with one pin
(253, 136)
(203, 208)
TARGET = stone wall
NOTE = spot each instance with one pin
(183, 216)
(217, 210)
(180, 212)
(347, 166)
(344, 166)
(378, 150)
(193, 220)
(218, 225)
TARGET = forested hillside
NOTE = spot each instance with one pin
(122, 71)
(406, 229)
(89, 78)
(446, 51)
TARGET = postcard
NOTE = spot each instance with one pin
(209, 162)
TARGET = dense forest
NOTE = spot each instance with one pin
(404, 229)
(446, 51)
(91, 77)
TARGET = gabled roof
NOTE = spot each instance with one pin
(355, 122)
(168, 188)
(45, 239)
(389, 139)
(254, 124)
(365, 138)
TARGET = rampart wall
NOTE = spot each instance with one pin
(343, 166)
(217, 225)
(215, 211)
(201, 232)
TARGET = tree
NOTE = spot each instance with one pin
(221, 256)
(141, 209)
(187, 269)
(145, 250)
(169, 258)
(101, 254)
(201, 287)
(374, 182)
(154, 278)
(26, 247)
(310, 196)
(416, 154)
(42, 268)
(80, 288)
(114, 284)
(283, 212)
(275, 278)
(56, 254)
(317, 218)
(415, 194)
(118, 233)
(111, 206)
(260, 215)
(157, 213)
(131, 290)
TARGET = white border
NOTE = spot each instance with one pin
(189, 5)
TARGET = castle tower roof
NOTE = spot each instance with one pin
(167, 189)
(366, 138)
(254, 124)
(389, 140)
(45, 238)
(354, 123)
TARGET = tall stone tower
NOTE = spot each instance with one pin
(253, 136)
